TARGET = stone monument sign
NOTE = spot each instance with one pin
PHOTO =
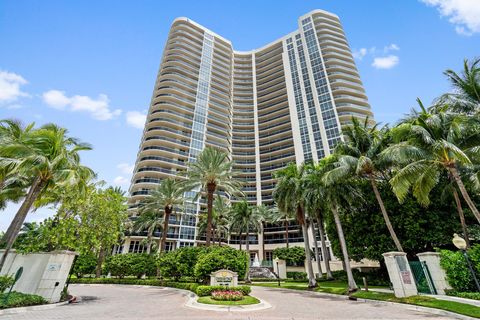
(224, 277)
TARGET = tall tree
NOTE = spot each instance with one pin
(289, 196)
(161, 202)
(211, 171)
(149, 221)
(359, 156)
(265, 215)
(429, 144)
(284, 217)
(246, 218)
(466, 85)
(52, 159)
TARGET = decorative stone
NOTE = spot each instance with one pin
(439, 278)
(400, 274)
(224, 277)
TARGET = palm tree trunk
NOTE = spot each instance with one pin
(240, 239)
(385, 215)
(210, 190)
(16, 224)
(166, 218)
(263, 242)
(352, 286)
(213, 235)
(453, 170)
(326, 253)
(101, 257)
(312, 283)
(149, 241)
(286, 231)
(317, 252)
(247, 249)
(462, 217)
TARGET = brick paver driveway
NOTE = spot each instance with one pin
(132, 302)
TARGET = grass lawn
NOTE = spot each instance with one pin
(246, 300)
(338, 287)
(17, 299)
(423, 301)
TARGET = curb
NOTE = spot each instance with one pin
(32, 308)
(192, 303)
(438, 312)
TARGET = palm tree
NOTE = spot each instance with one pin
(359, 156)
(335, 193)
(284, 217)
(289, 196)
(466, 97)
(266, 215)
(211, 171)
(428, 144)
(162, 201)
(220, 222)
(52, 160)
(149, 221)
(246, 218)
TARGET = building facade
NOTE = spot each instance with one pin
(285, 102)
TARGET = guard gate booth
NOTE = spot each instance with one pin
(423, 278)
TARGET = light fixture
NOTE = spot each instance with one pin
(459, 242)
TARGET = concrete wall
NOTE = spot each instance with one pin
(44, 273)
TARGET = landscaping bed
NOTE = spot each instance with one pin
(18, 299)
(247, 300)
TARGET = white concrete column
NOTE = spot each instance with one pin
(400, 274)
(439, 278)
(280, 268)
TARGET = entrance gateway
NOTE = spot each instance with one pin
(423, 278)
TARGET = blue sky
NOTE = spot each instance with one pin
(90, 66)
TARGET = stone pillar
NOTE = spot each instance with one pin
(280, 268)
(400, 274)
(439, 278)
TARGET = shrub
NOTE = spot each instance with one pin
(130, 264)
(216, 258)
(180, 262)
(18, 299)
(296, 275)
(85, 264)
(456, 269)
(466, 295)
(203, 291)
(294, 256)
(6, 282)
(227, 295)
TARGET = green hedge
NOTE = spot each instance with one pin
(466, 295)
(294, 256)
(216, 258)
(145, 282)
(297, 275)
(6, 282)
(131, 264)
(203, 291)
(456, 268)
(18, 299)
(84, 264)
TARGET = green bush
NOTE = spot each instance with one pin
(6, 282)
(18, 299)
(131, 264)
(456, 269)
(297, 275)
(216, 258)
(203, 291)
(180, 262)
(466, 295)
(85, 264)
(145, 282)
(294, 256)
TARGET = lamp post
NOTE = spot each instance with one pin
(278, 274)
(461, 244)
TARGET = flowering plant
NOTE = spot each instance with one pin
(227, 295)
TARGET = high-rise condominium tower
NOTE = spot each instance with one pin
(285, 102)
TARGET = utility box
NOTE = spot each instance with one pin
(44, 273)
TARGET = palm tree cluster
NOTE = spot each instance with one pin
(428, 146)
(35, 163)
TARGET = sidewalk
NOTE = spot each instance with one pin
(437, 296)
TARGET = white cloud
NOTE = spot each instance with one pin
(136, 119)
(387, 62)
(360, 53)
(126, 168)
(464, 14)
(10, 86)
(391, 47)
(99, 108)
(121, 181)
